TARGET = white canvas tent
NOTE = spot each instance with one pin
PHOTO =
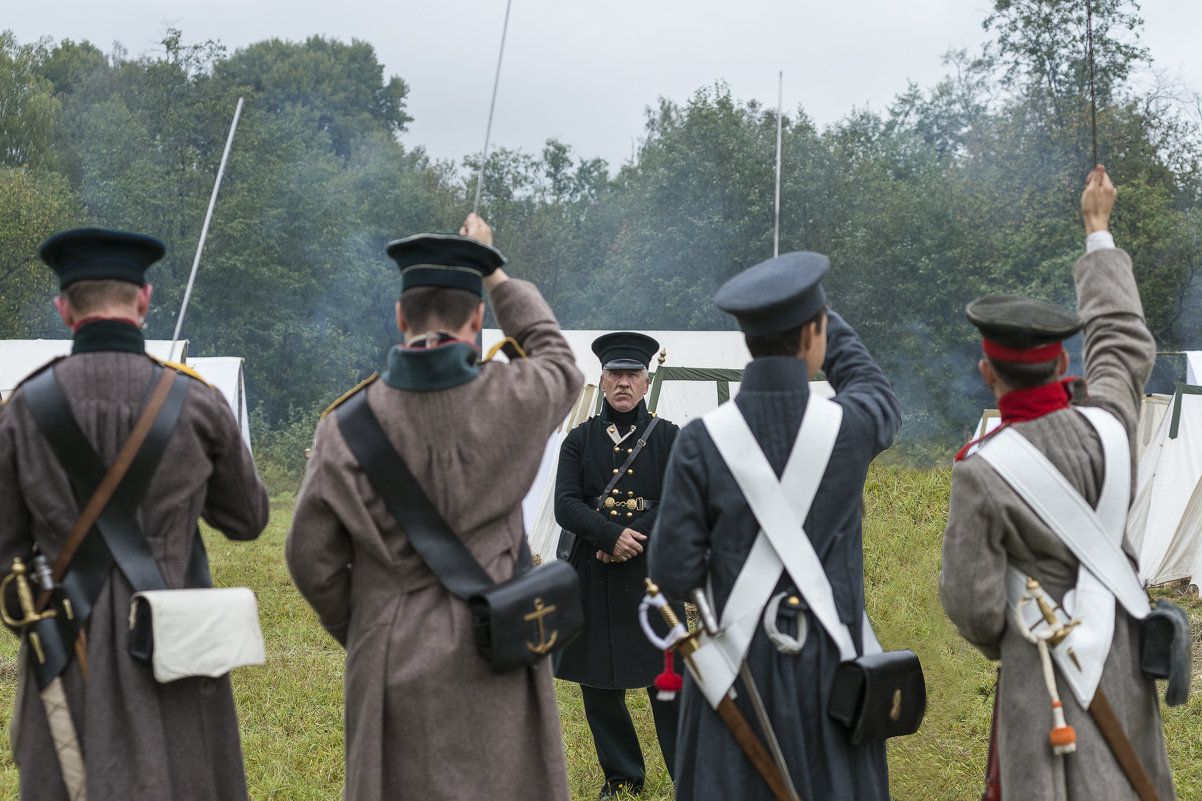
(1193, 367)
(1165, 523)
(225, 373)
(20, 357)
(700, 369)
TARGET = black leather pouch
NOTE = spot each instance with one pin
(1165, 649)
(533, 614)
(565, 550)
(879, 695)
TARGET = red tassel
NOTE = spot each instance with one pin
(669, 682)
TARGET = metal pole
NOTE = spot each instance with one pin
(491, 106)
(204, 230)
(780, 109)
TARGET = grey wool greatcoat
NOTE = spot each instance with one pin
(990, 527)
(425, 716)
(612, 652)
(142, 741)
(705, 530)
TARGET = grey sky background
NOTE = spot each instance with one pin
(585, 72)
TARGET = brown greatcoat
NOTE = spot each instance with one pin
(425, 716)
(989, 526)
(142, 741)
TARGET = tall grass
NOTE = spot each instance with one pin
(291, 709)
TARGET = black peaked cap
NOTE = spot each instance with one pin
(1020, 322)
(444, 260)
(625, 350)
(776, 295)
(100, 254)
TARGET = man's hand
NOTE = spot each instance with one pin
(475, 227)
(1097, 200)
(628, 546)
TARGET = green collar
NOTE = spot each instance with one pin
(430, 369)
(109, 335)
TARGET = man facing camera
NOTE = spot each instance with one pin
(607, 492)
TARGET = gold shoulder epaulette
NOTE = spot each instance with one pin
(183, 368)
(514, 350)
(346, 395)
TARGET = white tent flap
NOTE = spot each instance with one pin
(1163, 525)
(225, 373)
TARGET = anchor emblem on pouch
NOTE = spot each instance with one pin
(540, 611)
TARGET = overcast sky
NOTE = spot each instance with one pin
(585, 71)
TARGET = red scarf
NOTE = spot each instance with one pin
(1030, 403)
(1021, 405)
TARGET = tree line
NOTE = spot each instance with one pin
(965, 187)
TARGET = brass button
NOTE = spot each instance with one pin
(615, 491)
(630, 514)
(615, 470)
(794, 600)
(616, 449)
(628, 450)
(629, 472)
(614, 512)
(629, 494)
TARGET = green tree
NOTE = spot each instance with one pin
(28, 109)
(33, 205)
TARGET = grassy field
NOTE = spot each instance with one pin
(291, 708)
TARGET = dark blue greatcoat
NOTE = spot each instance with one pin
(705, 528)
(612, 652)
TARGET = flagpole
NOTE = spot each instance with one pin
(204, 231)
(780, 105)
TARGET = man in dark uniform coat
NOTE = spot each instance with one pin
(705, 532)
(613, 655)
(141, 740)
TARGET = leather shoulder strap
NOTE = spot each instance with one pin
(438, 546)
(113, 494)
(621, 471)
(1045, 489)
(781, 506)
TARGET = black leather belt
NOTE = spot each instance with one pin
(630, 504)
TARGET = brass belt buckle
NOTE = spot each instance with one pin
(610, 503)
(632, 503)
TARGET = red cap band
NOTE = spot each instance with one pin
(1044, 353)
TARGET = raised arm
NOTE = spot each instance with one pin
(1119, 350)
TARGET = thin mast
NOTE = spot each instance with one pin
(780, 108)
(204, 230)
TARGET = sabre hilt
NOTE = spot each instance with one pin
(704, 611)
(29, 613)
(678, 634)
